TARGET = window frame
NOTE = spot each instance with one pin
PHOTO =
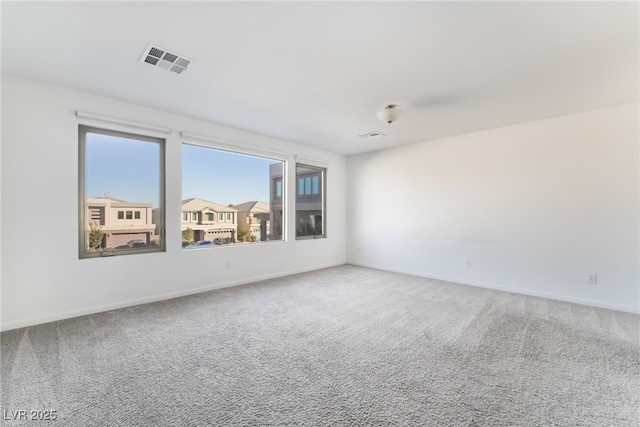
(241, 150)
(83, 131)
(301, 184)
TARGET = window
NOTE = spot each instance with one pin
(310, 201)
(209, 216)
(234, 185)
(122, 175)
(308, 186)
(97, 214)
(185, 216)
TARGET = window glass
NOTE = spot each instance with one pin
(120, 173)
(236, 186)
(310, 202)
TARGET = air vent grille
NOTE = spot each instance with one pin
(161, 58)
(372, 134)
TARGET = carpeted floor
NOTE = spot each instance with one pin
(340, 346)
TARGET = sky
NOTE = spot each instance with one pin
(222, 177)
(122, 168)
(128, 170)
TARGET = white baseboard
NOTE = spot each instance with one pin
(502, 288)
(154, 298)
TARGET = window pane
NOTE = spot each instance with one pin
(307, 185)
(310, 201)
(245, 192)
(120, 177)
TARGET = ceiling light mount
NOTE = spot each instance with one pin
(390, 113)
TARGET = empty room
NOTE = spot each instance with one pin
(320, 213)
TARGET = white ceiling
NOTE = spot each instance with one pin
(316, 72)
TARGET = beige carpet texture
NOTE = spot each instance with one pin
(343, 346)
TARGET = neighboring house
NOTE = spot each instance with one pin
(309, 195)
(122, 222)
(254, 218)
(276, 201)
(209, 221)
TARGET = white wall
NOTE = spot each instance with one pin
(535, 207)
(42, 277)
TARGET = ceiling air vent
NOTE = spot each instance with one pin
(160, 57)
(373, 134)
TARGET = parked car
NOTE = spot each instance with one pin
(137, 243)
(200, 244)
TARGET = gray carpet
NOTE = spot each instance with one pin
(340, 346)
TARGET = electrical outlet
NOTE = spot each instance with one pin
(228, 265)
(592, 279)
(467, 263)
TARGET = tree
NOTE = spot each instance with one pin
(96, 235)
(243, 235)
(187, 235)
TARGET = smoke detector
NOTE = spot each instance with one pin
(162, 58)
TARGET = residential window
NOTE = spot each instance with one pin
(185, 216)
(310, 201)
(230, 183)
(309, 186)
(117, 171)
(209, 216)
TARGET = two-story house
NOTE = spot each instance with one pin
(209, 221)
(254, 220)
(276, 199)
(123, 223)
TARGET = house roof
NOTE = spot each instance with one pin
(197, 205)
(253, 207)
(107, 199)
(103, 201)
